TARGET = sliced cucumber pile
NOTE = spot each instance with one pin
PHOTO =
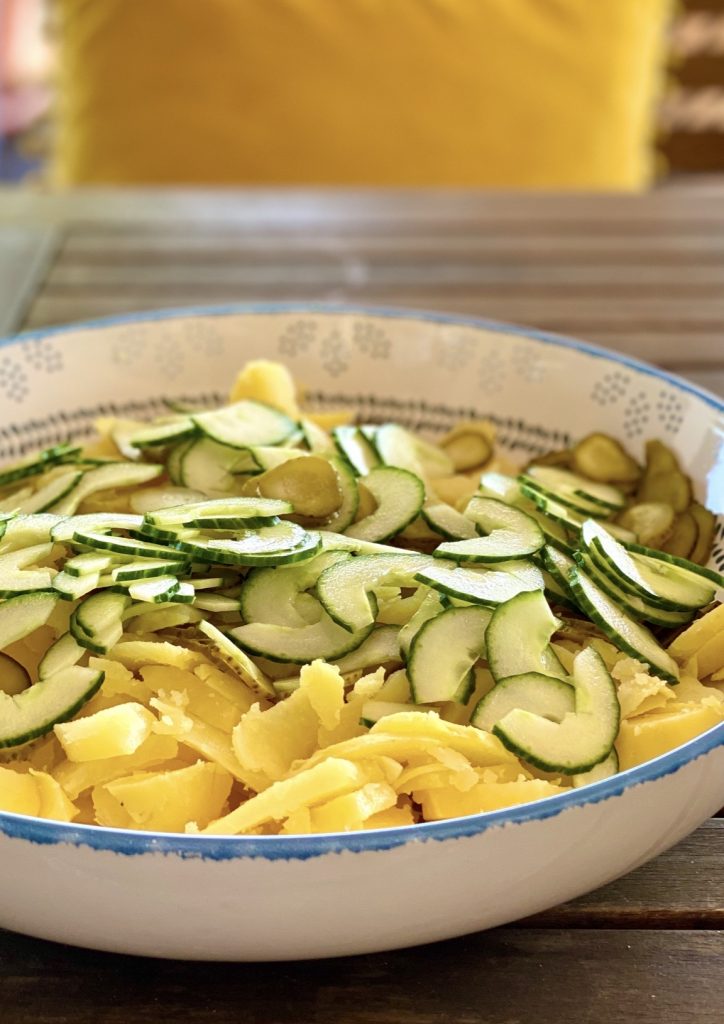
(262, 540)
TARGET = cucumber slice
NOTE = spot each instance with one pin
(90, 562)
(123, 545)
(13, 677)
(500, 486)
(630, 603)
(511, 533)
(398, 447)
(11, 504)
(344, 588)
(231, 655)
(203, 465)
(97, 623)
(676, 566)
(576, 491)
(347, 483)
(603, 770)
(72, 588)
(154, 498)
(174, 461)
(323, 639)
(339, 542)
(356, 449)
(373, 710)
(23, 614)
(38, 463)
(534, 692)
(447, 521)
(56, 489)
(163, 433)
(234, 512)
(583, 738)
(108, 477)
(170, 616)
(61, 655)
(488, 587)
(316, 439)
(644, 579)
(17, 578)
(559, 565)
(184, 593)
(36, 710)
(623, 631)
(24, 531)
(431, 606)
(244, 424)
(147, 568)
(270, 595)
(381, 647)
(443, 652)
(260, 458)
(272, 545)
(216, 603)
(154, 591)
(64, 530)
(519, 638)
(399, 495)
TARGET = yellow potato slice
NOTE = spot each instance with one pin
(331, 419)
(438, 804)
(54, 802)
(154, 652)
(18, 792)
(167, 801)
(395, 817)
(264, 381)
(641, 739)
(349, 813)
(79, 778)
(212, 744)
(112, 732)
(709, 629)
(324, 782)
(202, 700)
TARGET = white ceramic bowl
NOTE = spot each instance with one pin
(275, 898)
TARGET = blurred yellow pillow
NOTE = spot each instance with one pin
(519, 93)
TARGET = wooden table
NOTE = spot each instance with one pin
(643, 275)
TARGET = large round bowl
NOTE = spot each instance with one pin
(275, 898)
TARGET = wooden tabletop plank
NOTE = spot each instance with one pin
(507, 976)
(698, 205)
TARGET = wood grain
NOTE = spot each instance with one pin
(642, 275)
(508, 976)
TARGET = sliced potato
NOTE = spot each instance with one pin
(706, 524)
(652, 522)
(683, 538)
(600, 457)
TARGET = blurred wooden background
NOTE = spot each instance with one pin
(692, 113)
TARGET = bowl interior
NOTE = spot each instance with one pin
(425, 371)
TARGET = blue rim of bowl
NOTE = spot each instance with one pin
(221, 848)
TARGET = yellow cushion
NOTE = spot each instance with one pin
(531, 93)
